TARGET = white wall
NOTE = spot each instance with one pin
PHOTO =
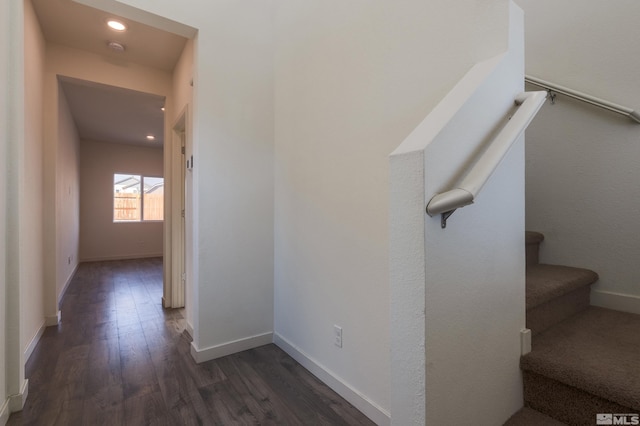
(457, 307)
(5, 136)
(31, 184)
(83, 65)
(233, 174)
(182, 79)
(100, 237)
(582, 173)
(352, 80)
(67, 196)
(17, 26)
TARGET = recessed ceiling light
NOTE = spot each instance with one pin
(116, 25)
(162, 108)
(151, 137)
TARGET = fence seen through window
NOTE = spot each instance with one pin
(137, 198)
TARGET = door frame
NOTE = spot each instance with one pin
(175, 263)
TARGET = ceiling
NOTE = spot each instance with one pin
(113, 114)
(101, 112)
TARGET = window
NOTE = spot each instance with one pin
(137, 198)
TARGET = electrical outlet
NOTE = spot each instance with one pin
(337, 333)
(69, 260)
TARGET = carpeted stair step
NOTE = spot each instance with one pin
(585, 365)
(532, 242)
(529, 417)
(555, 293)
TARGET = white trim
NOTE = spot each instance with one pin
(525, 341)
(66, 286)
(176, 207)
(4, 413)
(32, 344)
(224, 349)
(617, 301)
(51, 320)
(16, 402)
(368, 407)
(125, 257)
(189, 329)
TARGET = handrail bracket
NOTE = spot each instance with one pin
(444, 216)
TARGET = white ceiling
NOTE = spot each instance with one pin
(107, 113)
(113, 114)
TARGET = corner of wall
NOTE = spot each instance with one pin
(218, 351)
(17, 401)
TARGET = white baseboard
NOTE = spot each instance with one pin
(34, 341)
(189, 329)
(16, 402)
(51, 320)
(4, 413)
(224, 349)
(617, 301)
(369, 408)
(66, 285)
(123, 257)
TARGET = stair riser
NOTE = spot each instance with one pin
(532, 252)
(556, 310)
(566, 403)
(532, 245)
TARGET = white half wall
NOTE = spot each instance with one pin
(458, 293)
(582, 169)
(100, 237)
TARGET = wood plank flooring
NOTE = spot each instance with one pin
(118, 358)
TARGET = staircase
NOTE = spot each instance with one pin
(584, 360)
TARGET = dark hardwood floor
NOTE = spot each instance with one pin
(118, 358)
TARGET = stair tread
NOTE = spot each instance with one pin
(546, 282)
(530, 417)
(596, 351)
(532, 237)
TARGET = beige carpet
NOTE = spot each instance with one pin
(529, 417)
(597, 353)
(545, 282)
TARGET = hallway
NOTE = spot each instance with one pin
(119, 358)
